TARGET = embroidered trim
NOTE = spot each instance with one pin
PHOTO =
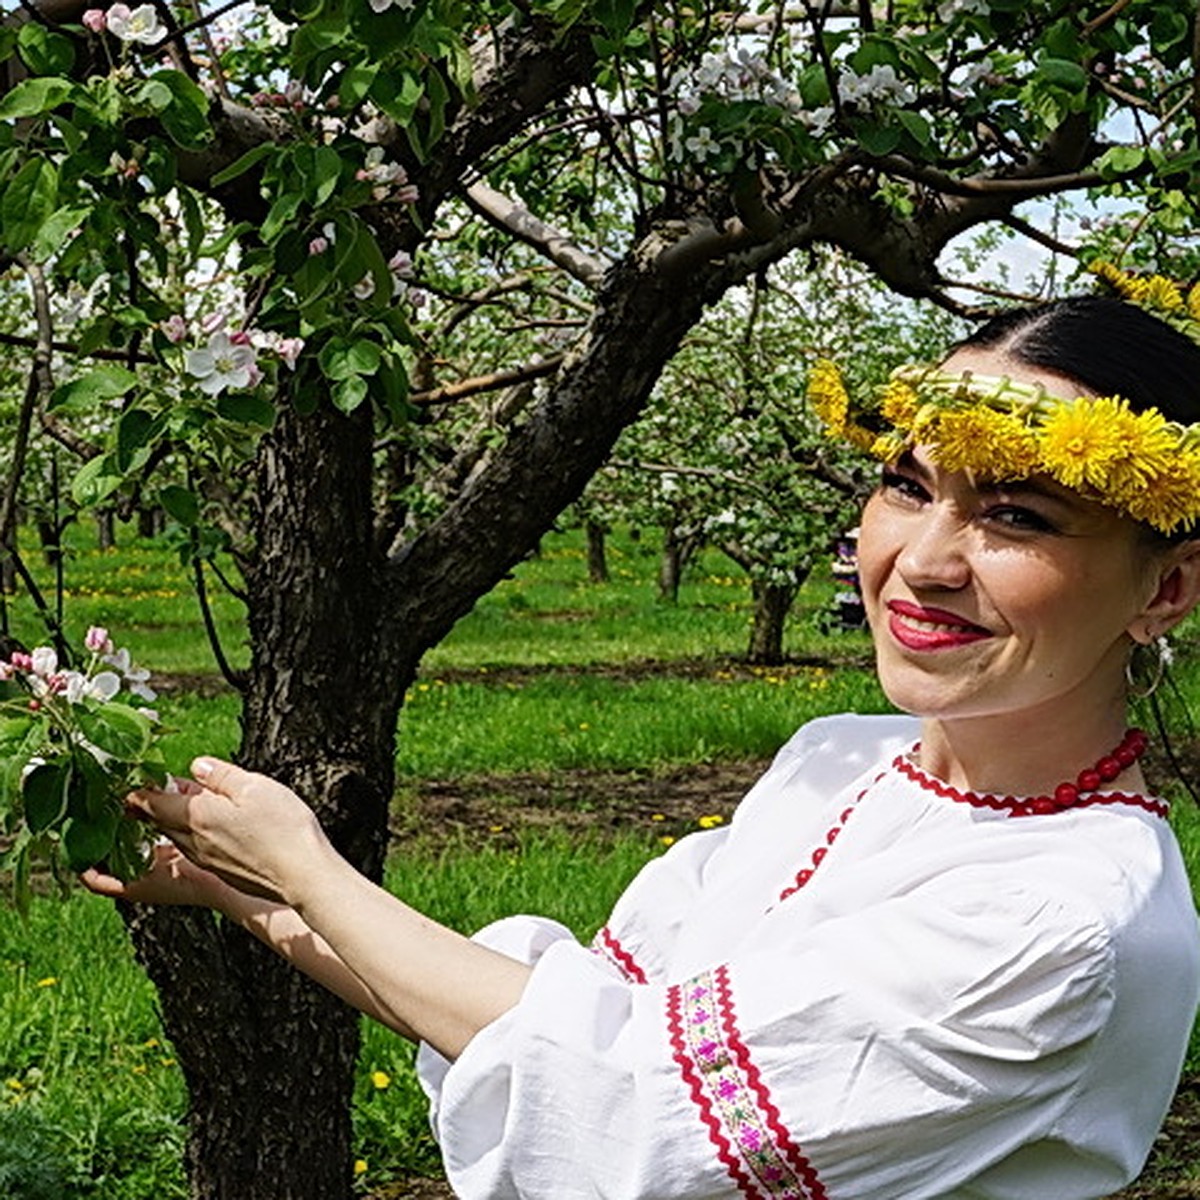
(818, 855)
(1015, 806)
(605, 944)
(735, 1104)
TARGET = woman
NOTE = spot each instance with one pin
(952, 954)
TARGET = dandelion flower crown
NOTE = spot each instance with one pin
(1138, 463)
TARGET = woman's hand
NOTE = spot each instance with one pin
(171, 879)
(246, 829)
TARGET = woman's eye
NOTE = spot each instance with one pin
(902, 485)
(1016, 517)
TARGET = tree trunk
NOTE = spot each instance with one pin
(105, 534)
(149, 522)
(269, 1057)
(50, 538)
(597, 561)
(772, 603)
(675, 552)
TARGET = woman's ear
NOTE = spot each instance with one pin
(1177, 594)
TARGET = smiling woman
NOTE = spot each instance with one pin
(947, 954)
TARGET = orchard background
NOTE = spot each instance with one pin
(351, 300)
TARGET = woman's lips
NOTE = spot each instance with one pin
(919, 628)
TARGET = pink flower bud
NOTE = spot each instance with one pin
(239, 338)
(213, 323)
(318, 245)
(22, 661)
(94, 20)
(289, 350)
(362, 175)
(174, 328)
(97, 640)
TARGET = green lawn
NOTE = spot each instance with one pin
(550, 673)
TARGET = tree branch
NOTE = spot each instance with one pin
(513, 217)
(451, 392)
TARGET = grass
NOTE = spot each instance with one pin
(548, 674)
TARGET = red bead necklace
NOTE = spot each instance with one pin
(1068, 794)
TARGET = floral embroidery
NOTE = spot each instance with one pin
(606, 944)
(735, 1104)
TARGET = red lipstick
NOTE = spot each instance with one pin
(916, 627)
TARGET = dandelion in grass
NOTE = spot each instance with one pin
(380, 1080)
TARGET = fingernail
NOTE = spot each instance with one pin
(202, 768)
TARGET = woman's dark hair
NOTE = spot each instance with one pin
(1112, 346)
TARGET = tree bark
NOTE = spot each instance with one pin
(670, 565)
(269, 1057)
(596, 558)
(105, 529)
(772, 603)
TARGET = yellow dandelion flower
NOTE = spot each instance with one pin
(888, 447)
(49, 981)
(360, 1166)
(1172, 499)
(380, 1080)
(828, 397)
(994, 444)
(859, 437)
(1111, 275)
(666, 840)
(1081, 441)
(711, 821)
(899, 403)
(1163, 293)
(1193, 301)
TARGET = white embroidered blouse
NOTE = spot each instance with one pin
(865, 987)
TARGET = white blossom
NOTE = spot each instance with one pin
(221, 364)
(138, 25)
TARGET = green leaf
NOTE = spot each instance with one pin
(241, 165)
(186, 118)
(87, 841)
(116, 729)
(327, 170)
(341, 359)
(282, 211)
(28, 202)
(106, 382)
(1063, 73)
(1118, 160)
(918, 128)
(46, 791)
(95, 481)
(355, 83)
(52, 236)
(44, 51)
(246, 408)
(134, 430)
(32, 97)
(350, 393)
(878, 139)
(180, 503)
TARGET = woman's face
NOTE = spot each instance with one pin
(987, 599)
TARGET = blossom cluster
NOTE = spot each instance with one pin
(141, 24)
(75, 742)
(229, 357)
(108, 670)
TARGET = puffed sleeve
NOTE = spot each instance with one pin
(892, 1053)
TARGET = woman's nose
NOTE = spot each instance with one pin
(934, 551)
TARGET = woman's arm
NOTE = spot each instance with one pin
(261, 840)
(175, 879)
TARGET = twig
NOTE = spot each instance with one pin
(487, 383)
(1037, 235)
(40, 383)
(235, 679)
(14, 339)
(1114, 10)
